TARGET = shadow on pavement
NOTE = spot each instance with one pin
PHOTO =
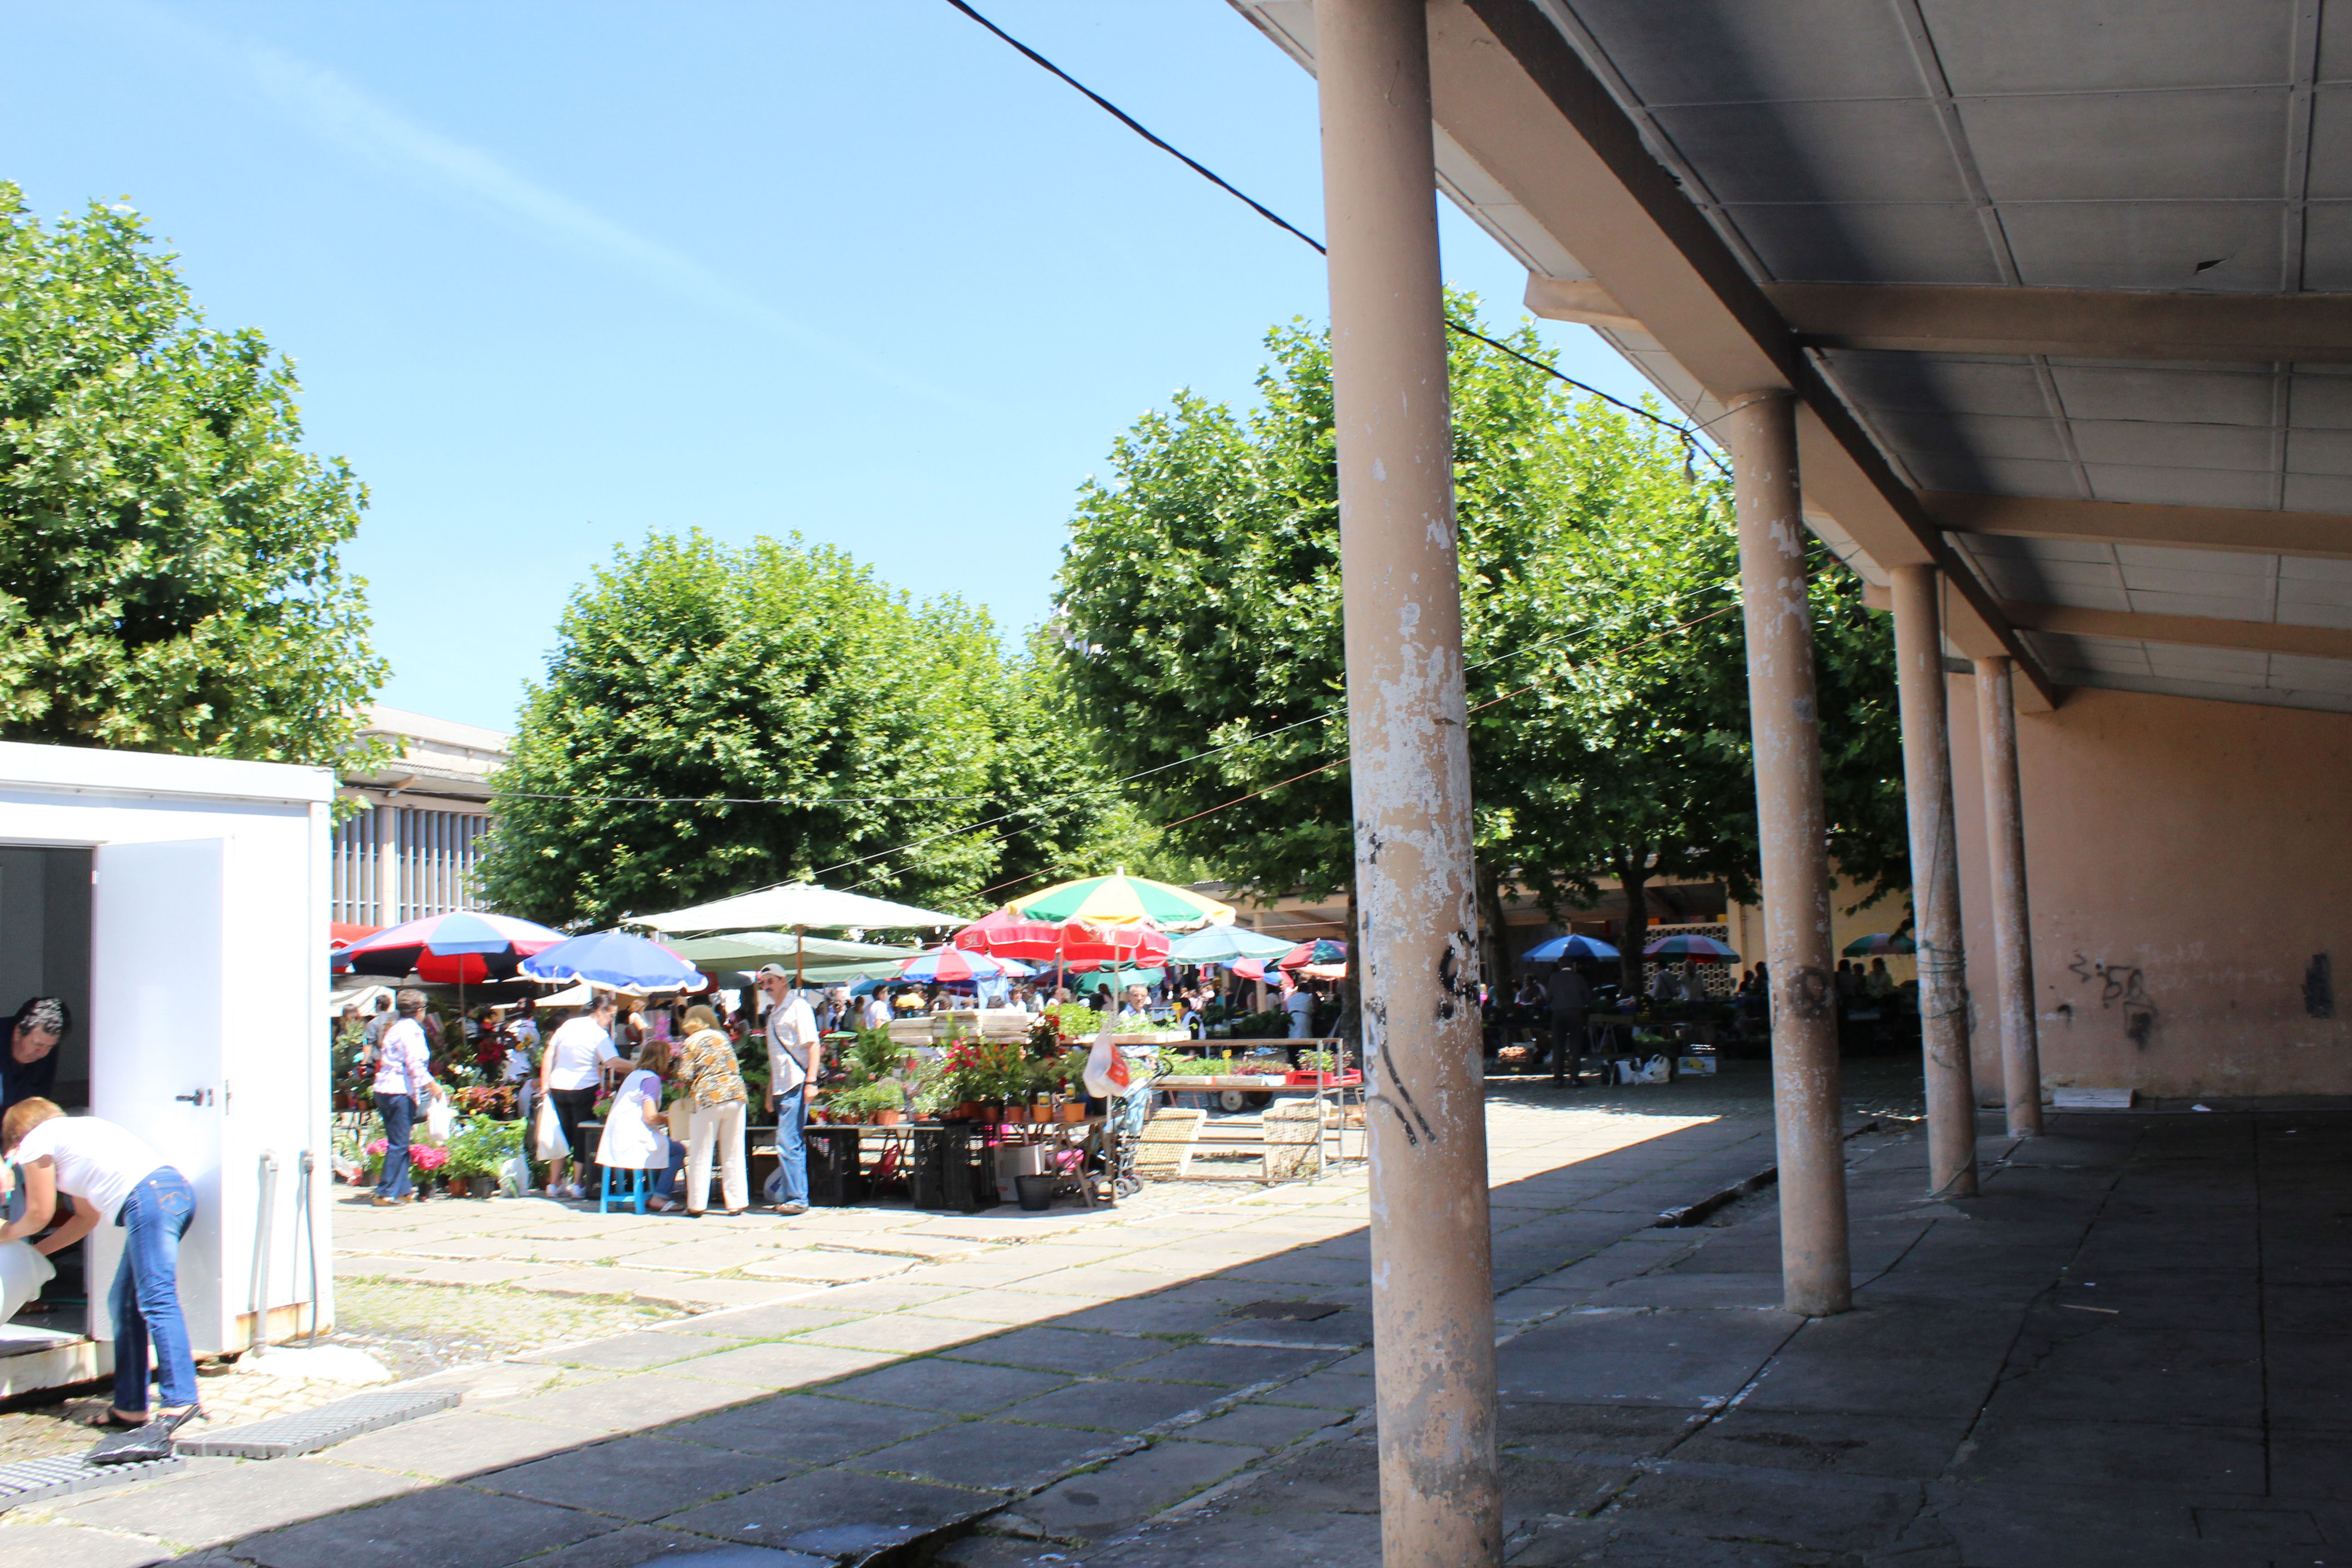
(736, 1430)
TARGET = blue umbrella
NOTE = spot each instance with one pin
(1562, 949)
(615, 959)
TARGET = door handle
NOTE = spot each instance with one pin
(197, 1097)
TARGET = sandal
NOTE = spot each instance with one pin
(113, 1422)
(141, 1443)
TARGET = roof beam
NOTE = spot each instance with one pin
(2184, 631)
(2087, 323)
(2323, 535)
(1516, 96)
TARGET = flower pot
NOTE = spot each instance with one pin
(965, 1110)
(887, 1117)
(1074, 1110)
(1036, 1192)
(482, 1186)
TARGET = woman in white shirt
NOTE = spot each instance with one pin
(113, 1175)
(576, 1062)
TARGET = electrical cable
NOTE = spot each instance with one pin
(1116, 112)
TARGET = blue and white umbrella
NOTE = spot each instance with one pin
(616, 961)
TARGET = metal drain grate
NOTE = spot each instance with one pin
(39, 1481)
(307, 1431)
(1286, 1311)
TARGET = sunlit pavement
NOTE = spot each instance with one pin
(874, 1375)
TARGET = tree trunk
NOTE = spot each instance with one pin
(1634, 875)
(1493, 941)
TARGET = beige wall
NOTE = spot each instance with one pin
(1746, 926)
(2187, 858)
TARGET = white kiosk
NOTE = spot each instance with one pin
(178, 905)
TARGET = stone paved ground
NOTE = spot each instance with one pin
(2128, 1352)
(879, 1374)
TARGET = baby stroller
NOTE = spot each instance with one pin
(1123, 1126)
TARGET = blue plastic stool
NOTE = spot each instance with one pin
(638, 1188)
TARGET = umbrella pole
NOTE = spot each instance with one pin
(800, 956)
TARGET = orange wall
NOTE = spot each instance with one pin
(2199, 851)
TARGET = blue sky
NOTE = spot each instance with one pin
(557, 274)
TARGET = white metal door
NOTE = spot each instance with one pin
(155, 1059)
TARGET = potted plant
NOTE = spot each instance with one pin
(1070, 1075)
(430, 1161)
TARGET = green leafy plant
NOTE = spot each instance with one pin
(864, 1100)
(480, 1146)
(1074, 1021)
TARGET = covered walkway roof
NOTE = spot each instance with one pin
(2066, 292)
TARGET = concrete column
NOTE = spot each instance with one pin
(387, 865)
(1808, 1119)
(1433, 1286)
(2012, 929)
(1935, 884)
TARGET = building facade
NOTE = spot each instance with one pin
(413, 849)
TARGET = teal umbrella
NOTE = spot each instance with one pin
(1225, 945)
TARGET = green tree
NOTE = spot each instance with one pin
(169, 569)
(1601, 629)
(719, 719)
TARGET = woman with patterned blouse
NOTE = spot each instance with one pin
(705, 1068)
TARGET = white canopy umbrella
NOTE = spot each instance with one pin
(796, 904)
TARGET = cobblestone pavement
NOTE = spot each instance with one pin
(857, 1378)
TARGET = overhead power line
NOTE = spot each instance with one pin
(1684, 433)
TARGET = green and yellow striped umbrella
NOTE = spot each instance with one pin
(1119, 899)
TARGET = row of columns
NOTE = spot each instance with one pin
(1433, 1305)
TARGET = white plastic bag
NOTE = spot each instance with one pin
(547, 1134)
(1106, 1071)
(514, 1176)
(439, 1121)
(23, 1272)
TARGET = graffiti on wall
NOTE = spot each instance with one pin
(2121, 987)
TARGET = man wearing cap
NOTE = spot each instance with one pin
(795, 1056)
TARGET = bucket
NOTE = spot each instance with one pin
(1036, 1193)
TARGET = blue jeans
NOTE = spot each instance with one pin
(147, 1292)
(399, 1113)
(792, 1153)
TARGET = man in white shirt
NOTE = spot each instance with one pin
(795, 1057)
(378, 1022)
(877, 1009)
(1300, 1006)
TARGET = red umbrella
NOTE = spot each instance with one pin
(950, 965)
(464, 947)
(1319, 952)
(1006, 934)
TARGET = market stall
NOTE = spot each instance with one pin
(178, 905)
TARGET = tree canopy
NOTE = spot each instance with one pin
(169, 556)
(1607, 687)
(717, 718)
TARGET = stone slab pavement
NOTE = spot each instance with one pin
(1068, 1375)
(2127, 1353)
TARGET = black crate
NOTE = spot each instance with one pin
(833, 1179)
(951, 1169)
